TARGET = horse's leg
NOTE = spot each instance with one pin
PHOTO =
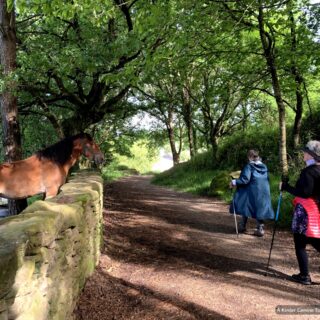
(51, 192)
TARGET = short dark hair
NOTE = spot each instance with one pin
(253, 154)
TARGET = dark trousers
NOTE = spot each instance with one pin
(245, 220)
(300, 243)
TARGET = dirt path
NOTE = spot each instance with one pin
(169, 255)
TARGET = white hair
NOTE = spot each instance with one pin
(314, 146)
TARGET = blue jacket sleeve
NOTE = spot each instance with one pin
(245, 176)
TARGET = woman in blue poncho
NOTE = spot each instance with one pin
(252, 198)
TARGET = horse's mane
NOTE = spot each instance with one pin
(61, 151)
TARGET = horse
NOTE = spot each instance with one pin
(46, 171)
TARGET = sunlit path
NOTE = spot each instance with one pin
(170, 255)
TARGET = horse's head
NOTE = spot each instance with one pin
(91, 150)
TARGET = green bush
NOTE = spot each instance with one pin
(232, 151)
(112, 172)
(202, 161)
(141, 157)
(311, 127)
(219, 185)
(186, 177)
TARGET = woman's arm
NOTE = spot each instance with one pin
(304, 185)
(245, 176)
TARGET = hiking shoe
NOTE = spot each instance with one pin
(259, 232)
(301, 279)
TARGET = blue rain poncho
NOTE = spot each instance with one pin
(252, 198)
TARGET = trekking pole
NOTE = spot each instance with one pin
(234, 212)
(274, 230)
(235, 217)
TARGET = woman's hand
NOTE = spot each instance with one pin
(231, 185)
(283, 185)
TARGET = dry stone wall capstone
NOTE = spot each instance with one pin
(48, 251)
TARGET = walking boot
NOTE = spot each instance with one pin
(242, 227)
(259, 232)
(306, 280)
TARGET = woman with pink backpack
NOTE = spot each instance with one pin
(306, 215)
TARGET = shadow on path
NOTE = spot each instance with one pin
(170, 255)
(115, 298)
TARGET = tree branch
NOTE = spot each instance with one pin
(126, 11)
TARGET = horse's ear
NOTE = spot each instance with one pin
(88, 136)
(81, 135)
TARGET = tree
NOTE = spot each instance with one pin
(223, 102)
(253, 16)
(8, 100)
(187, 112)
(161, 104)
(285, 40)
(268, 46)
(80, 59)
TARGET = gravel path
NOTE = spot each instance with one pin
(171, 255)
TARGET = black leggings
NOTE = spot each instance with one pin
(300, 243)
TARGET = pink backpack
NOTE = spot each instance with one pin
(312, 209)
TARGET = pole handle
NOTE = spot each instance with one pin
(278, 206)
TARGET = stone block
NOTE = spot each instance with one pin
(47, 252)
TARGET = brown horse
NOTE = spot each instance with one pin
(46, 170)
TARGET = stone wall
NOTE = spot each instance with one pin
(48, 251)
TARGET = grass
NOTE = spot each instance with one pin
(35, 198)
(184, 178)
(114, 171)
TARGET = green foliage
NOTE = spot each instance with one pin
(219, 185)
(35, 198)
(201, 161)
(185, 178)
(77, 59)
(10, 5)
(36, 135)
(311, 127)
(178, 42)
(141, 159)
(113, 172)
(232, 152)
(286, 207)
(34, 140)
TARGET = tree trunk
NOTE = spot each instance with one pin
(171, 136)
(187, 116)
(267, 45)
(8, 101)
(195, 140)
(299, 85)
(214, 145)
(299, 110)
(175, 153)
